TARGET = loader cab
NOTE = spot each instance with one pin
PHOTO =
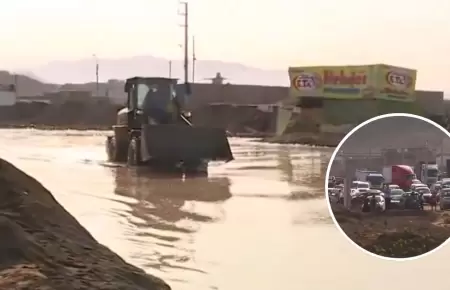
(148, 97)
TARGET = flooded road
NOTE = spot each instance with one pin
(259, 222)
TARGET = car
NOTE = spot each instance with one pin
(444, 201)
(380, 202)
(425, 192)
(393, 186)
(398, 198)
(412, 201)
(374, 192)
(359, 187)
(358, 191)
(360, 184)
(339, 180)
(436, 187)
(445, 182)
(416, 181)
(416, 185)
(439, 192)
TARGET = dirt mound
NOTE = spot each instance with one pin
(395, 233)
(44, 247)
(404, 244)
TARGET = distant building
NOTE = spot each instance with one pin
(74, 96)
(8, 96)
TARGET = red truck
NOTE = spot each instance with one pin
(401, 175)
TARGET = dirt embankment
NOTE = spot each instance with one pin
(74, 115)
(306, 138)
(397, 234)
(238, 120)
(43, 247)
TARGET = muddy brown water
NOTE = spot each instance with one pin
(259, 222)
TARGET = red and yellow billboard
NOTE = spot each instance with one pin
(353, 82)
(395, 83)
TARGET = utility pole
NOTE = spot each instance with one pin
(96, 75)
(170, 69)
(442, 153)
(194, 59)
(185, 14)
(426, 162)
(348, 182)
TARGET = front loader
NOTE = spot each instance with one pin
(155, 130)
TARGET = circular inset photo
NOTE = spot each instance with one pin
(388, 186)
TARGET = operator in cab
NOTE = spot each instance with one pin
(157, 107)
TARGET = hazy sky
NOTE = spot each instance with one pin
(267, 34)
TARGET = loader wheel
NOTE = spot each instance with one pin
(134, 152)
(199, 167)
(114, 151)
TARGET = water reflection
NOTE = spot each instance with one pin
(165, 214)
(304, 171)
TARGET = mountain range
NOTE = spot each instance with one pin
(84, 71)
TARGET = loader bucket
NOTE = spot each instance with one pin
(182, 143)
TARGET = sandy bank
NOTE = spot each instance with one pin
(314, 139)
(43, 247)
(56, 127)
(398, 234)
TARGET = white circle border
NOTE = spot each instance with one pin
(327, 176)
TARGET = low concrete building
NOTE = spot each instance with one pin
(431, 102)
(72, 96)
(8, 96)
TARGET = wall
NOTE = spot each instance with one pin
(367, 162)
(376, 162)
(411, 156)
(283, 117)
(432, 102)
(339, 112)
(113, 90)
(7, 98)
(441, 161)
(203, 94)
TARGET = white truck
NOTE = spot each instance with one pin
(428, 173)
(375, 179)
